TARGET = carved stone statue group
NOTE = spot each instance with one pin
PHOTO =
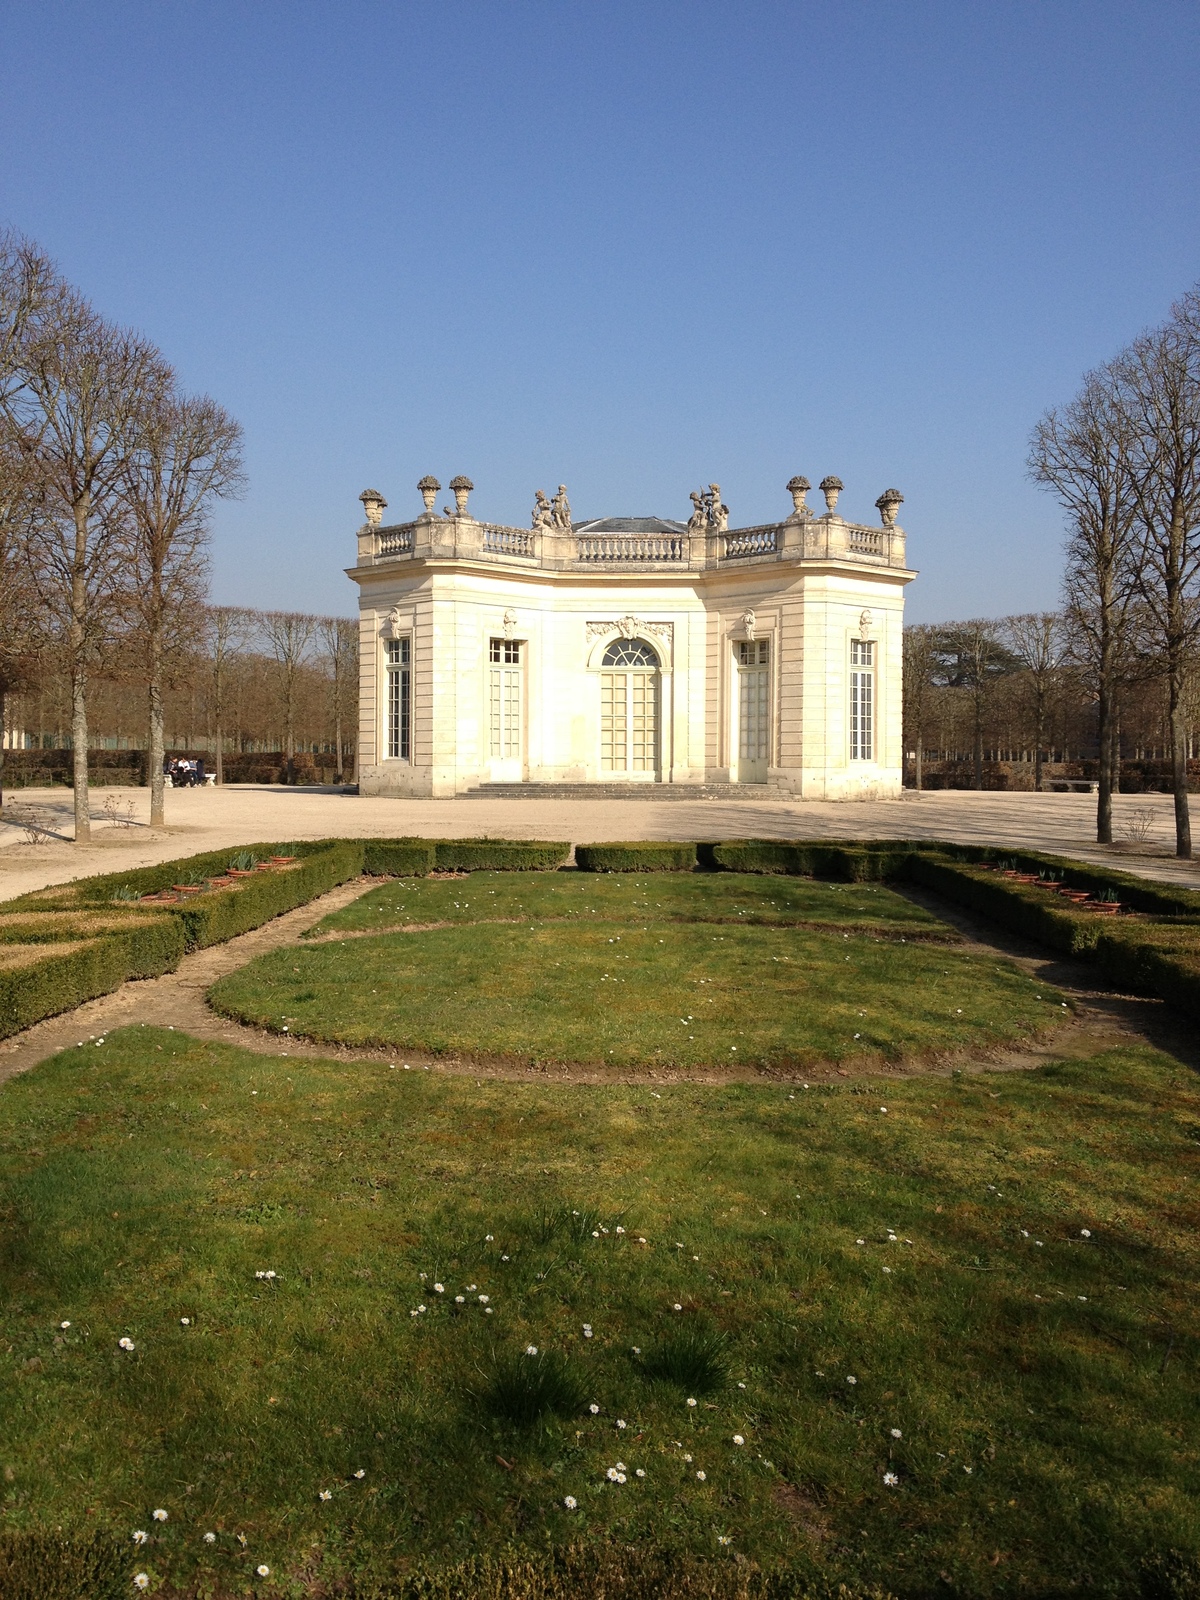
(552, 516)
(708, 514)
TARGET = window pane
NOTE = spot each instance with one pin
(629, 653)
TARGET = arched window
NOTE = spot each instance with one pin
(629, 653)
(629, 680)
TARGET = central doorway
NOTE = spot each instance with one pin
(629, 695)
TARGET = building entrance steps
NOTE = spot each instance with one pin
(625, 791)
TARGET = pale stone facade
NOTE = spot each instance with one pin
(631, 650)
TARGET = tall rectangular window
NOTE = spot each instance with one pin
(753, 701)
(504, 699)
(399, 699)
(862, 700)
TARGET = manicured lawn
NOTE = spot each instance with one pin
(620, 897)
(1005, 1267)
(663, 994)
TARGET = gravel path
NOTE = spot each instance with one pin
(240, 814)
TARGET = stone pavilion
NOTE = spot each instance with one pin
(631, 650)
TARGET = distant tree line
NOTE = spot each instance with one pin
(240, 680)
(1011, 702)
(109, 472)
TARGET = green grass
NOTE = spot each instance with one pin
(584, 896)
(671, 995)
(1042, 1379)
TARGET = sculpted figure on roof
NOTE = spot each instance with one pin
(543, 516)
(718, 515)
(698, 521)
(562, 510)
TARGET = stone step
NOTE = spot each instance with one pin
(623, 791)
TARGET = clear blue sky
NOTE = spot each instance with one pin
(632, 247)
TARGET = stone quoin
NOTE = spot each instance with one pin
(632, 650)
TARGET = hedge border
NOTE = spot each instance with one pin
(499, 855)
(1157, 954)
(96, 966)
(637, 856)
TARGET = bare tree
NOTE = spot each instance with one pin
(289, 635)
(338, 638)
(30, 289)
(1160, 395)
(187, 453)
(1081, 452)
(1035, 640)
(920, 664)
(85, 386)
(228, 631)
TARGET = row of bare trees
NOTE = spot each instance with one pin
(1123, 460)
(1022, 689)
(108, 473)
(275, 689)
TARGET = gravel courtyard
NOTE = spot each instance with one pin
(209, 819)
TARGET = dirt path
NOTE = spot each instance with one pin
(1101, 1020)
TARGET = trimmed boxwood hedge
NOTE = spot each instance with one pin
(855, 861)
(398, 858)
(413, 858)
(94, 966)
(499, 855)
(1157, 952)
(1137, 894)
(218, 914)
(646, 856)
(111, 945)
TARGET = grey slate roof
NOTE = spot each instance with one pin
(630, 525)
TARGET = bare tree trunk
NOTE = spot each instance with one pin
(158, 814)
(79, 754)
(1105, 786)
(3, 715)
(918, 765)
(78, 644)
(1179, 731)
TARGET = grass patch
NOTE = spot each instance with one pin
(1004, 1266)
(678, 995)
(523, 1386)
(592, 897)
(696, 1359)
